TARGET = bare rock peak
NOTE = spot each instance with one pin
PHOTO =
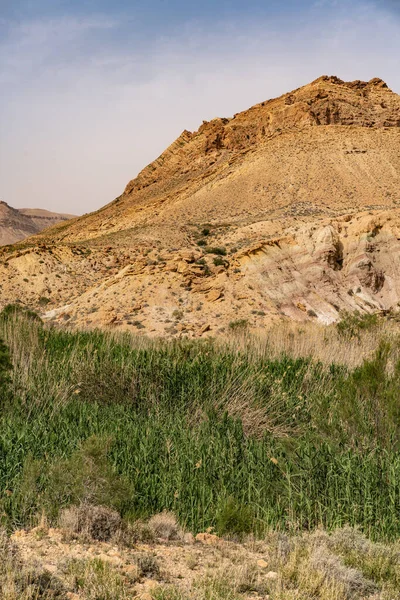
(327, 101)
(375, 83)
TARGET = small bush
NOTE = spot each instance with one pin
(311, 564)
(219, 262)
(177, 314)
(164, 525)
(202, 243)
(218, 251)
(148, 565)
(378, 562)
(86, 478)
(351, 581)
(352, 324)
(239, 325)
(130, 534)
(368, 406)
(234, 519)
(95, 522)
(12, 311)
(43, 301)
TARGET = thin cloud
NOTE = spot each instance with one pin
(39, 44)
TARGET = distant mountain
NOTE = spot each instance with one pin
(17, 224)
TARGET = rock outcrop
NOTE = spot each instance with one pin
(290, 209)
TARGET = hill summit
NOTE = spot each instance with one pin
(286, 210)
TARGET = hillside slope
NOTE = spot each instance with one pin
(286, 209)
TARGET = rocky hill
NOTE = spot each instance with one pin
(18, 224)
(287, 210)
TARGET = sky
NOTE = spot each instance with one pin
(91, 91)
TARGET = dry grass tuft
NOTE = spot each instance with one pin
(165, 526)
(343, 565)
(130, 534)
(336, 574)
(148, 565)
(95, 580)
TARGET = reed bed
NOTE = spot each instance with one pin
(275, 435)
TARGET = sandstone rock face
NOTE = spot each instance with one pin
(287, 210)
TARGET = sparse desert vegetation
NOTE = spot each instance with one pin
(270, 449)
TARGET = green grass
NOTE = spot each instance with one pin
(191, 427)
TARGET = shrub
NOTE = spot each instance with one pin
(368, 401)
(148, 565)
(309, 564)
(12, 311)
(351, 581)
(86, 478)
(218, 251)
(95, 522)
(130, 534)
(177, 314)
(378, 562)
(219, 262)
(234, 519)
(239, 325)
(43, 301)
(351, 324)
(164, 525)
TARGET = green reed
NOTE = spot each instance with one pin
(191, 425)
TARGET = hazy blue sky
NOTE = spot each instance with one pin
(93, 90)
